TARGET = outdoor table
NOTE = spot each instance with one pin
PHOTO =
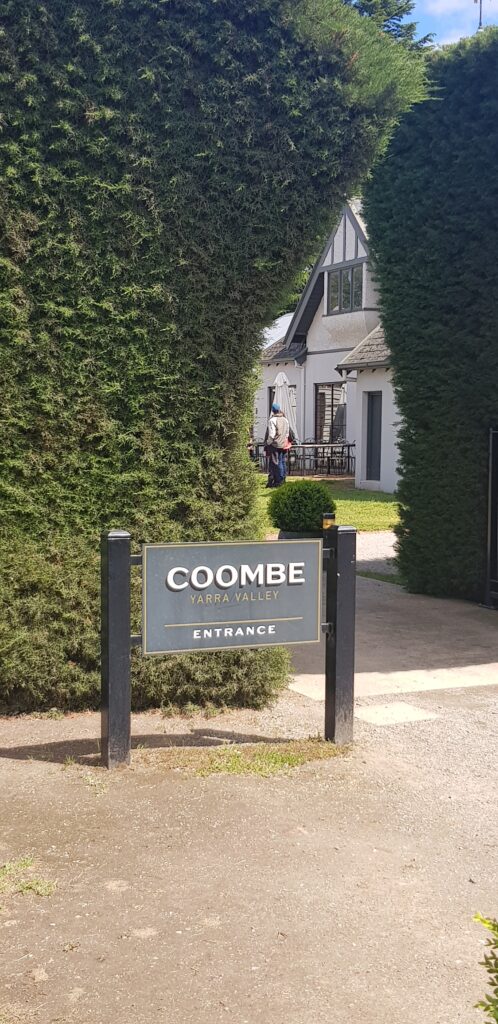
(314, 457)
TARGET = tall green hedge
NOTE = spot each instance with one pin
(432, 209)
(165, 166)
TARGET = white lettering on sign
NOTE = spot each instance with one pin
(232, 576)
(208, 575)
(170, 578)
(202, 577)
(248, 575)
(296, 572)
(231, 631)
(275, 573)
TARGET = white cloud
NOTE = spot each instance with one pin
(454, 36)
(439, 7)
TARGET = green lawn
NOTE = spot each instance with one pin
(366, 510)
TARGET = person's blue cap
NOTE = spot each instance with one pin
(275, 407)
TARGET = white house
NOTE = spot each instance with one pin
(375, 413)
(335, 359)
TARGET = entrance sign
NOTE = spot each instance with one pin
(207, 597)
(211, 597)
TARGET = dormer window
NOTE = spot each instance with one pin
(345, 290)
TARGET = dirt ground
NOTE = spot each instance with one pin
(342, 891)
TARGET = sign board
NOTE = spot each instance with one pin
(208, 597)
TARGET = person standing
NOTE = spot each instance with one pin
(277, 439)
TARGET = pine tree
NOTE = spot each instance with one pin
(390, 16)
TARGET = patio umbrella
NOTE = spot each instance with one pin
(283, 398)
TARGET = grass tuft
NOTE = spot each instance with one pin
(37, 886)
(264, 759)
(52, 713)
(190, 710)
(13, 879)
(97, 783)
(383, 577)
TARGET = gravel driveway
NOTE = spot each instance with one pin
(375, 552)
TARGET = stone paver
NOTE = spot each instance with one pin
(407, 643)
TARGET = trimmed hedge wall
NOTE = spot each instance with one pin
(432, 210)
(165, 169)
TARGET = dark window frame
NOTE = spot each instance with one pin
(333, 384)
(339, 274)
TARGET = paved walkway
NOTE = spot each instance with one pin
(407, 643)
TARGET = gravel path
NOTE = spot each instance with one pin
(375, 552)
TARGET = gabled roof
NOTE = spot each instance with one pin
(313, 293)
(277, 330)
(271, 351)
(370, 353)
(310, 299)
(280, 352)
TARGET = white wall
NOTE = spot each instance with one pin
(330, 338)
(320, 370)
(377, 380)
(341, 331)
(370, 291)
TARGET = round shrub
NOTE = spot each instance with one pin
(299, 507)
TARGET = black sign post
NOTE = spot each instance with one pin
(264, 594)
(491, 582)
(339, 550)
(115, 646)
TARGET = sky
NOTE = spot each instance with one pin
(449, 20)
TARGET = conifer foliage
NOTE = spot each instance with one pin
(165, 167)
(432, 209)
(391, 16)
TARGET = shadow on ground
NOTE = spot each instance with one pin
(87, 751)
(401, 632)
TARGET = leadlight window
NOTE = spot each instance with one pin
(345, 290)
(333, 294)
(358, 286)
